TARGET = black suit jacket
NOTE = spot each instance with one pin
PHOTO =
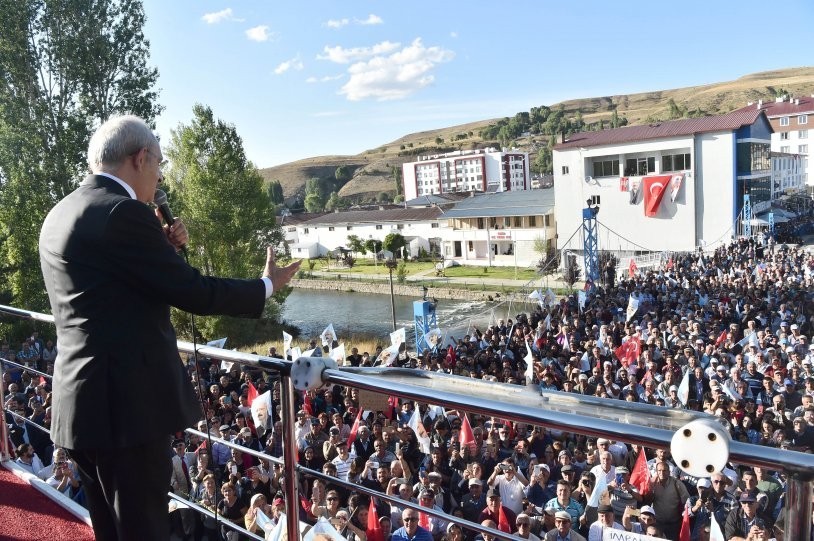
(111, 277)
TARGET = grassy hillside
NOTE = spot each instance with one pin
(372, 169)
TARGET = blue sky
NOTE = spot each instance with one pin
(310, 78)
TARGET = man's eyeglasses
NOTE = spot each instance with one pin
(410, 519)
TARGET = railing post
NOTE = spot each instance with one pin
(290, 451)
(798, 506)
(4, 450)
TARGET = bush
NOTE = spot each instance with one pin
(401, 272)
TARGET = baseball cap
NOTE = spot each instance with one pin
(747, 497)
(605, 508)
(493, 493)
(703, 483)
(475, 482)
(648, 509)
(788, 382)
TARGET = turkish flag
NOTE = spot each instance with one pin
(373, 529)
(684, 534)
(503, 521)
(466, 437)
(252, 394)
(355, 428)
(632, 268)
(654, 189)
(640, 476)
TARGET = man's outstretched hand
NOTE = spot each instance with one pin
(279, 276)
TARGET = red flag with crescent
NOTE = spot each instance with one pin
(654, 189)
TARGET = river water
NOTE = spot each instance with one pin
(364, 314)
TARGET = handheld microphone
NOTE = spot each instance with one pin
(160, 201)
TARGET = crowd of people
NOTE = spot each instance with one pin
(726, 333)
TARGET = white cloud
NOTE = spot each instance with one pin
(258, 33)
(324, 79)
(453, 34)
(218, 16)
(395, 76)
(371, 19)
(293, 64)
(336, 23)
(341, 55)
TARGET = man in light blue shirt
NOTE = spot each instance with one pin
(411, 531)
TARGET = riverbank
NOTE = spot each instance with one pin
(487, 293)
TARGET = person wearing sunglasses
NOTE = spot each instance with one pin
(411, 531)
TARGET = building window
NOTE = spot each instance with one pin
(784, 136)
(785, 148)
(434, 225)
(802, 134)
(547, 220)
(639, 166)
(305, 230)
(802, 119)
(784, 121)
(564, 169)
(518, 221)
(378, 226)
(349, 227)
(532, 221)
(330, 228)
(606, 168)
(400, 227)
(802, 149)
(481, 223)
(676, 162)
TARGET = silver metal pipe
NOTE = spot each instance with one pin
(4, 439)
(290, 451)
(798, 506)
(219, 519)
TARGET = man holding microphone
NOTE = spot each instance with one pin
(112, 272)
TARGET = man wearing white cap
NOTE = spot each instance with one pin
(562, 529)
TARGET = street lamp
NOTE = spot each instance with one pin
(391, 264)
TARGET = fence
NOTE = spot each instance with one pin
(634, 423)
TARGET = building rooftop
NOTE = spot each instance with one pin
(449, 198)
(415, 214)
(793, 106)
(511, 203)
(662, 130)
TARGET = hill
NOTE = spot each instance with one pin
(372, 170)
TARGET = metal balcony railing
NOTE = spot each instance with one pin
(634, 423)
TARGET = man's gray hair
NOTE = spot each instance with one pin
(117, 138)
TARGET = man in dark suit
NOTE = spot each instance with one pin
(112, 272)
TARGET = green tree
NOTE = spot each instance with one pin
(395, 170)
(373, 246)
(66, 67)
(314, 195)
(393, 242)
(342, 174)
(275, 190)
(356, 245)
(228, 212)
(335, 202)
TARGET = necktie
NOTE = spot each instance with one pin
(186, 472)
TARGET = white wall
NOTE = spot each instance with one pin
(716, 190)
(329, 240)
(673, 227)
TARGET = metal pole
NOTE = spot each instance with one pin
(292, 499)
(4, 440)
(392, 298)
(798, 506)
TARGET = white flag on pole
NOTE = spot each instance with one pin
(328, 335)
(684, 388)
(287, 339)
(398, 337)
(420, 432)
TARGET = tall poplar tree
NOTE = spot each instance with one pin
(229, 215)
(65, 66)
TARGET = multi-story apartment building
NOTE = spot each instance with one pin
(481, 170)
(792, 121)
